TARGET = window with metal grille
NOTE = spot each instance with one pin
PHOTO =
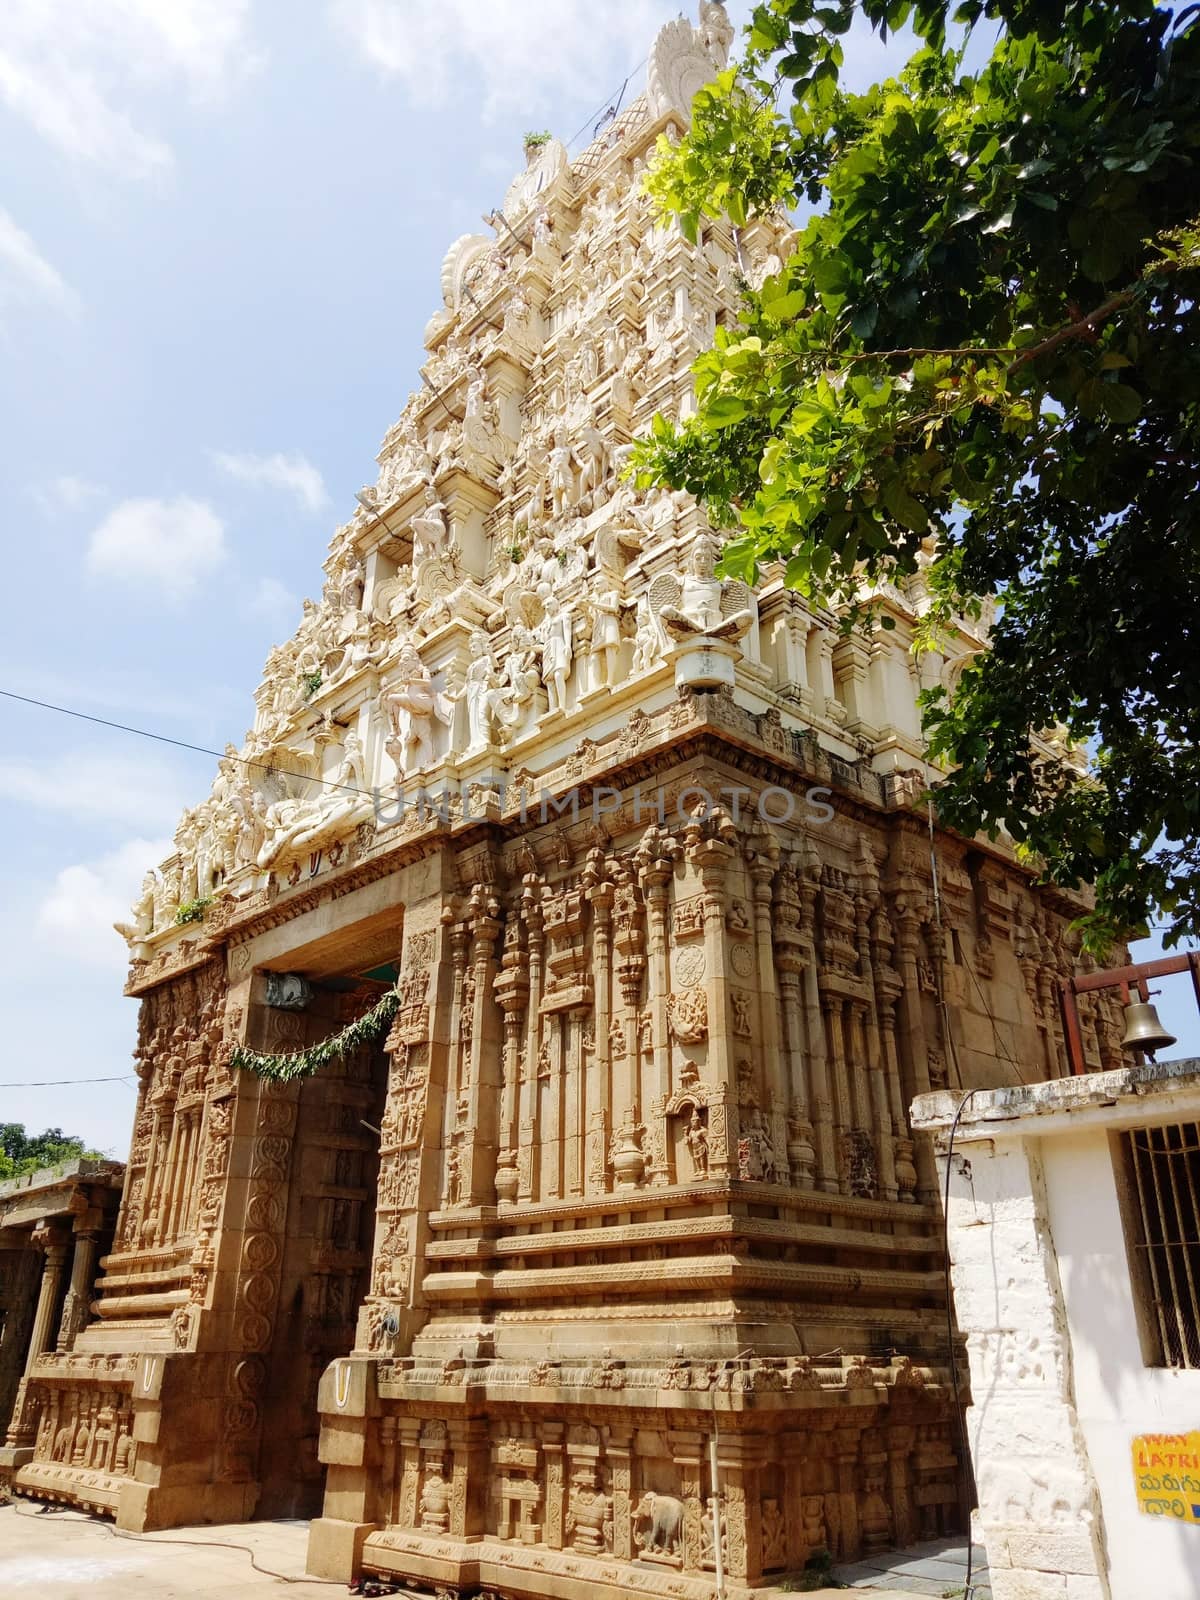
(1160, 1201)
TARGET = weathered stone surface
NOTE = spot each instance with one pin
(631, 1170)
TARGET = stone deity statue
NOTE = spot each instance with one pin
(410, 705)
(555, 634)
(605, 607)
(707, 605)
(429, 529)
(483, 692)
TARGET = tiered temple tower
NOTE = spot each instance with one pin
(613, 1256)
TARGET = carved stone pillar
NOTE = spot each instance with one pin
(556, 1499)
(887, 991)
(656, 877)
(388, 1470)
(528, 1176)
(461, 1012)
(599, 1077)
(618, 1453)
(409, 1429)
(820, 656)
(52, 1240)
(478, 1147)
(845, 1443)
(469, 1477)
(762, 864)
(795, 1448)
(851, 659)
(820, 1100)
(914, 1045)
(687, 1451)
(801, 1153)
(856, 1063)
(512, 996)
(900, 1441)
(75, 1305)
(712, 857)
(795, 632)
(832, 1006)
(739, 1513)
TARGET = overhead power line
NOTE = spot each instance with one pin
(59, 1083)
(182, 744)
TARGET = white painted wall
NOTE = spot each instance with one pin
(1116, 1396)
(1043, 1294)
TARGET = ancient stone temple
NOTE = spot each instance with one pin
(603, 1254)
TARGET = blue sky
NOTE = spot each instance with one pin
(221, 229)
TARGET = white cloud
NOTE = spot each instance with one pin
(294, 475)
(517, 49)
(71, 71)
(66, 493)
(169, 543)
(136, 789)
(78, 913)
(25, 273)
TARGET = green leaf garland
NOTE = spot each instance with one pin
(304, 1063)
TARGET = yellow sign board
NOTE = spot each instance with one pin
(1166, 1475)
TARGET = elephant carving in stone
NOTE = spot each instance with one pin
(659, 1518)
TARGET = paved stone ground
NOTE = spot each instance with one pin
(66, 1555)
(937, 1569)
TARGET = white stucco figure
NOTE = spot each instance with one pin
(429, 530)
(482, 692)
(411, 704)
(562, 460)
(706, 605)
(605, 606)
(555, 634)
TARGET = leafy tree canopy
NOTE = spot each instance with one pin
(22, 1152)
(985, 348)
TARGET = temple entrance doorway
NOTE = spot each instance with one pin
(327, 1243)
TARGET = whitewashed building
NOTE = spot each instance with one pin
(1074, 1236)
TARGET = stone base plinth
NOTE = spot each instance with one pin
(704, 663)
(335, 1548)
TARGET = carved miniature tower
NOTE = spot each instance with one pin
(613, 1256)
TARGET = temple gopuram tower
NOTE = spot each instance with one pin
(600, 1254)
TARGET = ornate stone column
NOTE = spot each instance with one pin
(527, 1125)
(52, 1240)
(795, 642)
(556, 1498)
(483, 1070)
(83, 1272)
(913, 1042)
(512, 996)
(656, 877)
(820, 1101)
(712, 858)
(687, 1451)
(598, 1086)
(461, 1017)
(409, 1431)
(763, 857)
(618, 1453)
(832, 1007)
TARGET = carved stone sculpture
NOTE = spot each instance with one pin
(557, 649)
(411, 704)
(706, 606)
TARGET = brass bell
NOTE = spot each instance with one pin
(1143, 1030)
